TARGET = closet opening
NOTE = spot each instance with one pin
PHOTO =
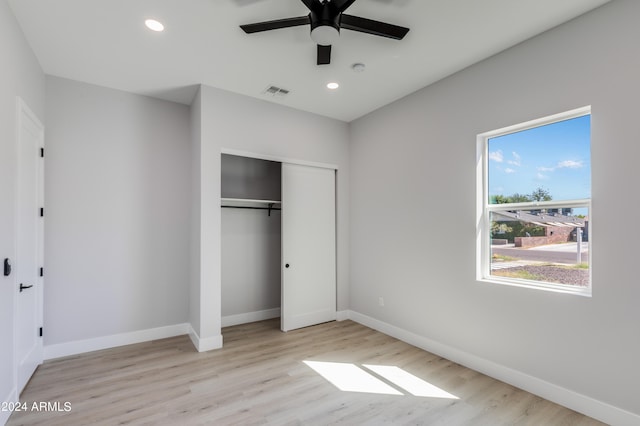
(251, 241)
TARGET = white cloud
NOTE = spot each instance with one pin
(540, 176)
(496, 156)
(546, 169)
(508, 170)
(566, 164)
(516, 159)
(569, 164)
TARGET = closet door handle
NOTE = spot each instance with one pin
(286, 265)
(24, 287)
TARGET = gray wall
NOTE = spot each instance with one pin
(413, 210)
(20, 75)
(195, 124)
(118, 203)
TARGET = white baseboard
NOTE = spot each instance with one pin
(12, 397)
(342, 315)
(206, 344)
(583, 404)
(106, 342)
(266, 314)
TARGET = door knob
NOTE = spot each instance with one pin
(286, 265)
(24, 287)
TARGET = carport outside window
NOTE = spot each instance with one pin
(534, 192)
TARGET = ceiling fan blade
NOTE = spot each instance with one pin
(276, 24)
(341, 5)
(324, 55)
(369, 26)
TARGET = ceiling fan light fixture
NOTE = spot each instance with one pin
(325, 35)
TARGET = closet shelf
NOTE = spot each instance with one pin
(244, 202)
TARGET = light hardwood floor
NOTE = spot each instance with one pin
(259, 378)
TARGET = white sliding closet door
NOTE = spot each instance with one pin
(308, 246)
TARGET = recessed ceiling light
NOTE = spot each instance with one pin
(333, 85)
(154, 25)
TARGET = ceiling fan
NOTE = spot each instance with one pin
(326, 18)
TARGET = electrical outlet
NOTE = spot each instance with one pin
(381, 301)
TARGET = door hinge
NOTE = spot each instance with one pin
(41, 211)
(40, 332)
(42, 272)
(42, 152)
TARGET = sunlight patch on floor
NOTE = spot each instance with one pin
(407, 381)
(350, 378)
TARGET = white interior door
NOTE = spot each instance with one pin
(308, 246)
(29, 239)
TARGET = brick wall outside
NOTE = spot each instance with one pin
(554, 235)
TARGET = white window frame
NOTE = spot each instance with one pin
(484, 209)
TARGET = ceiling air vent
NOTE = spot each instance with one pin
(275, 91)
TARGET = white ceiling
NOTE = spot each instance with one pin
(104, 42)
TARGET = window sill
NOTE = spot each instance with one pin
(536, 285)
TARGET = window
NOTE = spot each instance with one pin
(534, 204)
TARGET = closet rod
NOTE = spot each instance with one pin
(252, 208)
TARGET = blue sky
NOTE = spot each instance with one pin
(556, 157)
